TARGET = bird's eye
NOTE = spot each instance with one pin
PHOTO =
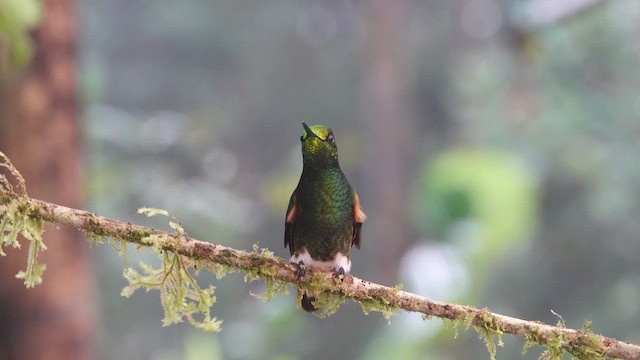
(330, 139)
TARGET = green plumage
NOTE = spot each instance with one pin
(325, 222)
(324, 217)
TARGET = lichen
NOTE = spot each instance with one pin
(328, 303)
(586, 345)
(455, 324)
(379, 304)
(553, 344)
(329, 298)
(552, 341)
(561, 323)
(180, 294)
(32, 230)
(9, 227)
(262, 251)
(16, 219)
(486, 324)
(94, 232)
(155, 242)
(218, 270)
(151, 212)
(487, 327)
(273, 287)
(94, 237)
(5, 184)
(528, 342)
(121, 246)
(259, 271)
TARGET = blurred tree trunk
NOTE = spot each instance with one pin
(39, 132)
(387, 81)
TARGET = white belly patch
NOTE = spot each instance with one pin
(340, 261)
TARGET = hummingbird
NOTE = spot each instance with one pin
(324, 217)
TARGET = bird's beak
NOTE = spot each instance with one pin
(308, 130)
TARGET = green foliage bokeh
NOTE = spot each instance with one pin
(17, 18)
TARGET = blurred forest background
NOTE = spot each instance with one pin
(494, 145)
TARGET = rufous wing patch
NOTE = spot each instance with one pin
(294, 210)
(358, 218)
(292, 214)
(358, 214)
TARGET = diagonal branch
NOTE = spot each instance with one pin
(580, 343)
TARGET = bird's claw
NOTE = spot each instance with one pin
(300, 270)
(339, 274)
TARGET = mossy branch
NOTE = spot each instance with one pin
(183, 257)
(580, 343)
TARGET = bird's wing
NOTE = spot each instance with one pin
(358, 218)
(292, 211)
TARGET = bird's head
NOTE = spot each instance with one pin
(318, 146)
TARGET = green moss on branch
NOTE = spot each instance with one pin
(183, 257)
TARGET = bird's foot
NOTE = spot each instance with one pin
(339, 274)
(300, 270)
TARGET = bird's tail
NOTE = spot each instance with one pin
(307, 301)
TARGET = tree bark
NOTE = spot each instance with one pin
(389, 123)
(39, 131)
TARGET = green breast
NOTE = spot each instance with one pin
(325, 223)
